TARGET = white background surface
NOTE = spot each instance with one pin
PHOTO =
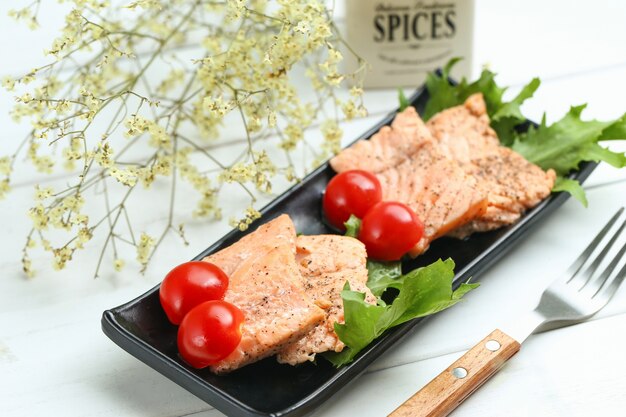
(54, 359)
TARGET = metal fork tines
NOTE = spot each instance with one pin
(586, 286)
(589, 280)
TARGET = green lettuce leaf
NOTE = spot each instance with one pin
(509, 115)
(564, 144)
(424, 291)
(442, 94)
(615, 131)
(512, 109)
(360, 326)
(383, 275)
(404, 102)
(421, 292)
(571, 186)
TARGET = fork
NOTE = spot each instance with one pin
(579, 293)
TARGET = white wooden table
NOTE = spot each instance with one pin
(54, 359)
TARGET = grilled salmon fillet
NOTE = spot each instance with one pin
(512, 184)
(412, 169)
(326, 262)
(463, 132)
(276, 233)
(387, 148)
(266, 285)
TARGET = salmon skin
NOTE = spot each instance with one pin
(266, 285)
(452, 171)
(326, 262)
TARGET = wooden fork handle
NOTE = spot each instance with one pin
(444, 393)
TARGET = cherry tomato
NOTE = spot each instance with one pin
(351, 192)
(209, 333)
(190, 284)
(389, 230)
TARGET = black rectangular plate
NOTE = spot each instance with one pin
(267, 388)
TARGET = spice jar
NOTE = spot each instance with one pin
(402, 40)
